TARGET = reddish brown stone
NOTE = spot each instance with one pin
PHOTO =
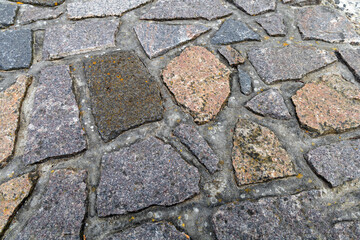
(199, 81)
(231, 55)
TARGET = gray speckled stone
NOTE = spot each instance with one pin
(352, 59)
(29, 14)
(15, 49)
(231, 55)
(269, 104)
(82, 36)
(49, 3)
(337, 163)
(234, 31)
(192, 139)
(288, 63)
(273, 25)
(245, 81)
(62, 208)
(150, 231)
(255, 7)
(7, 14)
(54, 128)
(156, 38)
(145, 174)
(303, 2)
(186, 9)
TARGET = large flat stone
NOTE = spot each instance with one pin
(79, 37)
(186, 9)
(15, 49)
(54, 129)
(10, 107)
(29, 14)
(352, 58)
(7, 14)
(199, 82)
(145, 174)
(255, 7)
(49, 3)
(157, 39)
(123, 93)
(257, 154)
(231, 55)
(288, 63)
(273, 25)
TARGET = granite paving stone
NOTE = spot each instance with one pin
(54, 128)
(288, 63)
(234, 31)
(10, 106)
(29, 14)
(79, 37)
(352, 59)
(257, 154)
(144, 174)
(273, 25)
(329, 105)
(192, 139)
(269, 104)
(255, 7)
(231, 55)
(123, 93)
(49, 3)
(186, 9)
(199, 82)
(157, 39)
(15, 49)
(301, 3)
(245, 81)
(7, 14)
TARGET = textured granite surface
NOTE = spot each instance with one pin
(231, 55)
(7, 14)
(352, 59)
(49, 3)
(29, 14)
(255, 7)
(245, 81)
(273, 25)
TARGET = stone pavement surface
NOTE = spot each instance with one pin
(179, 119)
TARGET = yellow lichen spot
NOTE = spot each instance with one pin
(247, 190)
(108, 73)
(210, 128)
(317, 42)
(19, 2)
(339, 137)
(266, 37)
(179, 217)
(153, 220)
(313, 144)
(132, 218)
(52, 171)
(309, 181)
(261, 90)
(278, 42)
(219, 200)
(291, 38)
(161, 58)
(89, 66)
(334, 49)
(183, 225)
(180, 150)
(84, 237)
(187, 236)
(301, 150)
(94, 63)
(285, 44)
(329, 204)
(121, 79)
(299, 176)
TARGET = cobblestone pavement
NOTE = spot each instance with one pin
(179, 119)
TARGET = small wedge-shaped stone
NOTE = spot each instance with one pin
(352, 59)
(49, 3)
(7, 14)
(273, 25)
(192, 139)
(101, 8)
(257, 154)
(199, 81)
(234, 31)
(269, 104)
(79, 37)
(255, 7)
(10, 106)
(245, 81)
(302, 2)
(327, 24)
(156, 38)
(62, 208)
(231, 55)
(29, 14)
(288, 63)
(186, 9)
(330, 105)
(54, 129)
(145, 174)
(12, 193)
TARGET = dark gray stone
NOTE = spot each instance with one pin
(145, 174)
(234, 31)
(301, 3)
(29, 14)
(245, 81)
(231, 55)
(49, 3)
(269, 104)
(255, 7)
(123, 93)
(337, 163)
(273, 25)
(352, 59)
(15, 49)
(7, 14)
(54, 129)
(192, 139)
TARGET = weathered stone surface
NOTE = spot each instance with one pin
(199, 81)
(123, 93)
(29, 14)
(245, 81)
(7, 14)
(231, 55)
(158, 231)
(257, 154)
(351, 9)
(82, 36)
(288, 63)
(337, 163)
(15, 49)
(101, 8)
(352, 59)
(12, 193)
(234, 31)
(156, 38)
(269, 104)
(328, 105)
(50, 3)
(273, 25)
(325, 23)
(145, 174)
(10, 105)
(54, 128)
(62, 208)
(255, 7)
(186, 9)
(192, 139)
(302, 2)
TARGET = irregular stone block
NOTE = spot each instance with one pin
(79, 37)
(29, 14)
(7, 14)
(352, 59)
(231, 55)
(54, 129)
(288, 63)
(49, 3)
(199, 81)
(257, 154)
(273, 25)
(255, 7)
(301, 3)
(123, 93)
(245, 81)
(192, 139)
(145, 174)
(157, 39)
